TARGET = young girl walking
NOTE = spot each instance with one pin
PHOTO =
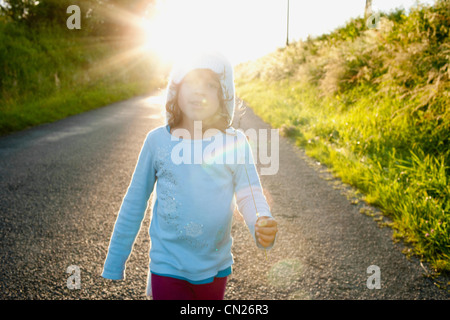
(190, 231)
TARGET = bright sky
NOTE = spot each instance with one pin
(248, 29)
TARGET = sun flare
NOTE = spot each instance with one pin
(173, 27)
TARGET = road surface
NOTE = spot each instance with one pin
(61, 185)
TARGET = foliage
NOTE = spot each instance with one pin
(373, 104)
(99, 17)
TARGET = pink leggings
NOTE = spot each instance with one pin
(167, 288)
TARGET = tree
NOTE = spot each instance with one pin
(34, 13)
(99, 17)
(17, 10)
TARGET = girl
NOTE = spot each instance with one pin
(190, 231)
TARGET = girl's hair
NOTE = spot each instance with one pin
(221, 120)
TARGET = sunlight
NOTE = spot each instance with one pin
(129, 50)
(174, 26)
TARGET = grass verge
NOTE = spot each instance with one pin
(364, 147)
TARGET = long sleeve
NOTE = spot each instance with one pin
(131, 214)
(249, 194)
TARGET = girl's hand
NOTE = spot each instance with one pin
(265, 230)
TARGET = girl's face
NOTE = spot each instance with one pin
(198, 96)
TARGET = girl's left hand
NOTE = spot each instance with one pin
(266, 230)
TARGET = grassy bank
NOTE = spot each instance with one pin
(49, 74)
(373, 105)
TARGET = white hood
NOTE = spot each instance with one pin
(213, 61)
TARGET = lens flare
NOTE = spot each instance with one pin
(285, 272)
(223, 151)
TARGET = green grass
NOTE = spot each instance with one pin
(65, 103)
(49, 74)
(373, 107)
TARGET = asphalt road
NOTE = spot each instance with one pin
(61, 185)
